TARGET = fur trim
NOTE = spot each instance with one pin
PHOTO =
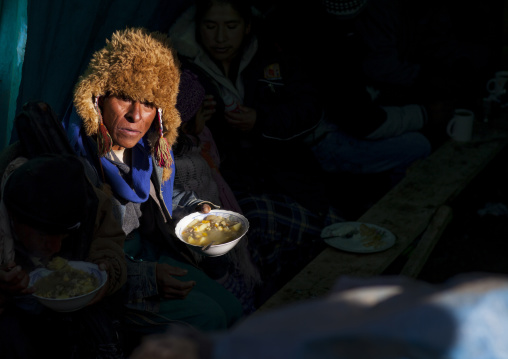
(135, 63)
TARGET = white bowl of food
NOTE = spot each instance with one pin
(68, 287)
(221, 228)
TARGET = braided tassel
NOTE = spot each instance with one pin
(104, 140)
(162, 149)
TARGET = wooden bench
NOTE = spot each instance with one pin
(415, 211)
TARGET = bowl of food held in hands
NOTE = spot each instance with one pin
(67, 286)
(212, 234)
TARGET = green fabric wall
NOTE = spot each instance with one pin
(61, 36)
(13, 25)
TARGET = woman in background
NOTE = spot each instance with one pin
(263, 108)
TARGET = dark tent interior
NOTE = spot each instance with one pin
(60, 37)
(47, 44)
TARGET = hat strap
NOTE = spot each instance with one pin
(162, 149)
(104, 140)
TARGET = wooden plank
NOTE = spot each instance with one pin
(405, 210)
(427, 242)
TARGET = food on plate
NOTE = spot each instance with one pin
(65, 281)
(214, 228)
(371, 236)
(345, 231)
(57, 263)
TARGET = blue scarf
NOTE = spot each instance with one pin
(141, 161)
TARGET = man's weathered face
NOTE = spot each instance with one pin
(126, 120)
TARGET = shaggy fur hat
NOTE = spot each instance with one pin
(135, 63)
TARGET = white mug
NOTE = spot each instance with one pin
(496, 85)
(460, 127)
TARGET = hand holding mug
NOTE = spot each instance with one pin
(496, 85)
(460, 127)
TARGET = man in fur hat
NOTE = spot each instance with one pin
(124, 123)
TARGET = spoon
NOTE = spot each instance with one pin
(208, 245)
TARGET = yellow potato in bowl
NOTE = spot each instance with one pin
(212, 228)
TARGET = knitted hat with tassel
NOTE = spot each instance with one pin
(344, 9)
(140, 65)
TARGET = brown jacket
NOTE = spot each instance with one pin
(107, 235)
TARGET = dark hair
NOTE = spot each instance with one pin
(183, 143)
(48, 193)
(243, 8)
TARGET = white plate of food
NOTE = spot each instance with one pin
(358, 237)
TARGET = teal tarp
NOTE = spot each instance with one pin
(61, 36)
(13, 26)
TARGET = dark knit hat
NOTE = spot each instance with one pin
(344, 9)
(48, 193)
(190, 95)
